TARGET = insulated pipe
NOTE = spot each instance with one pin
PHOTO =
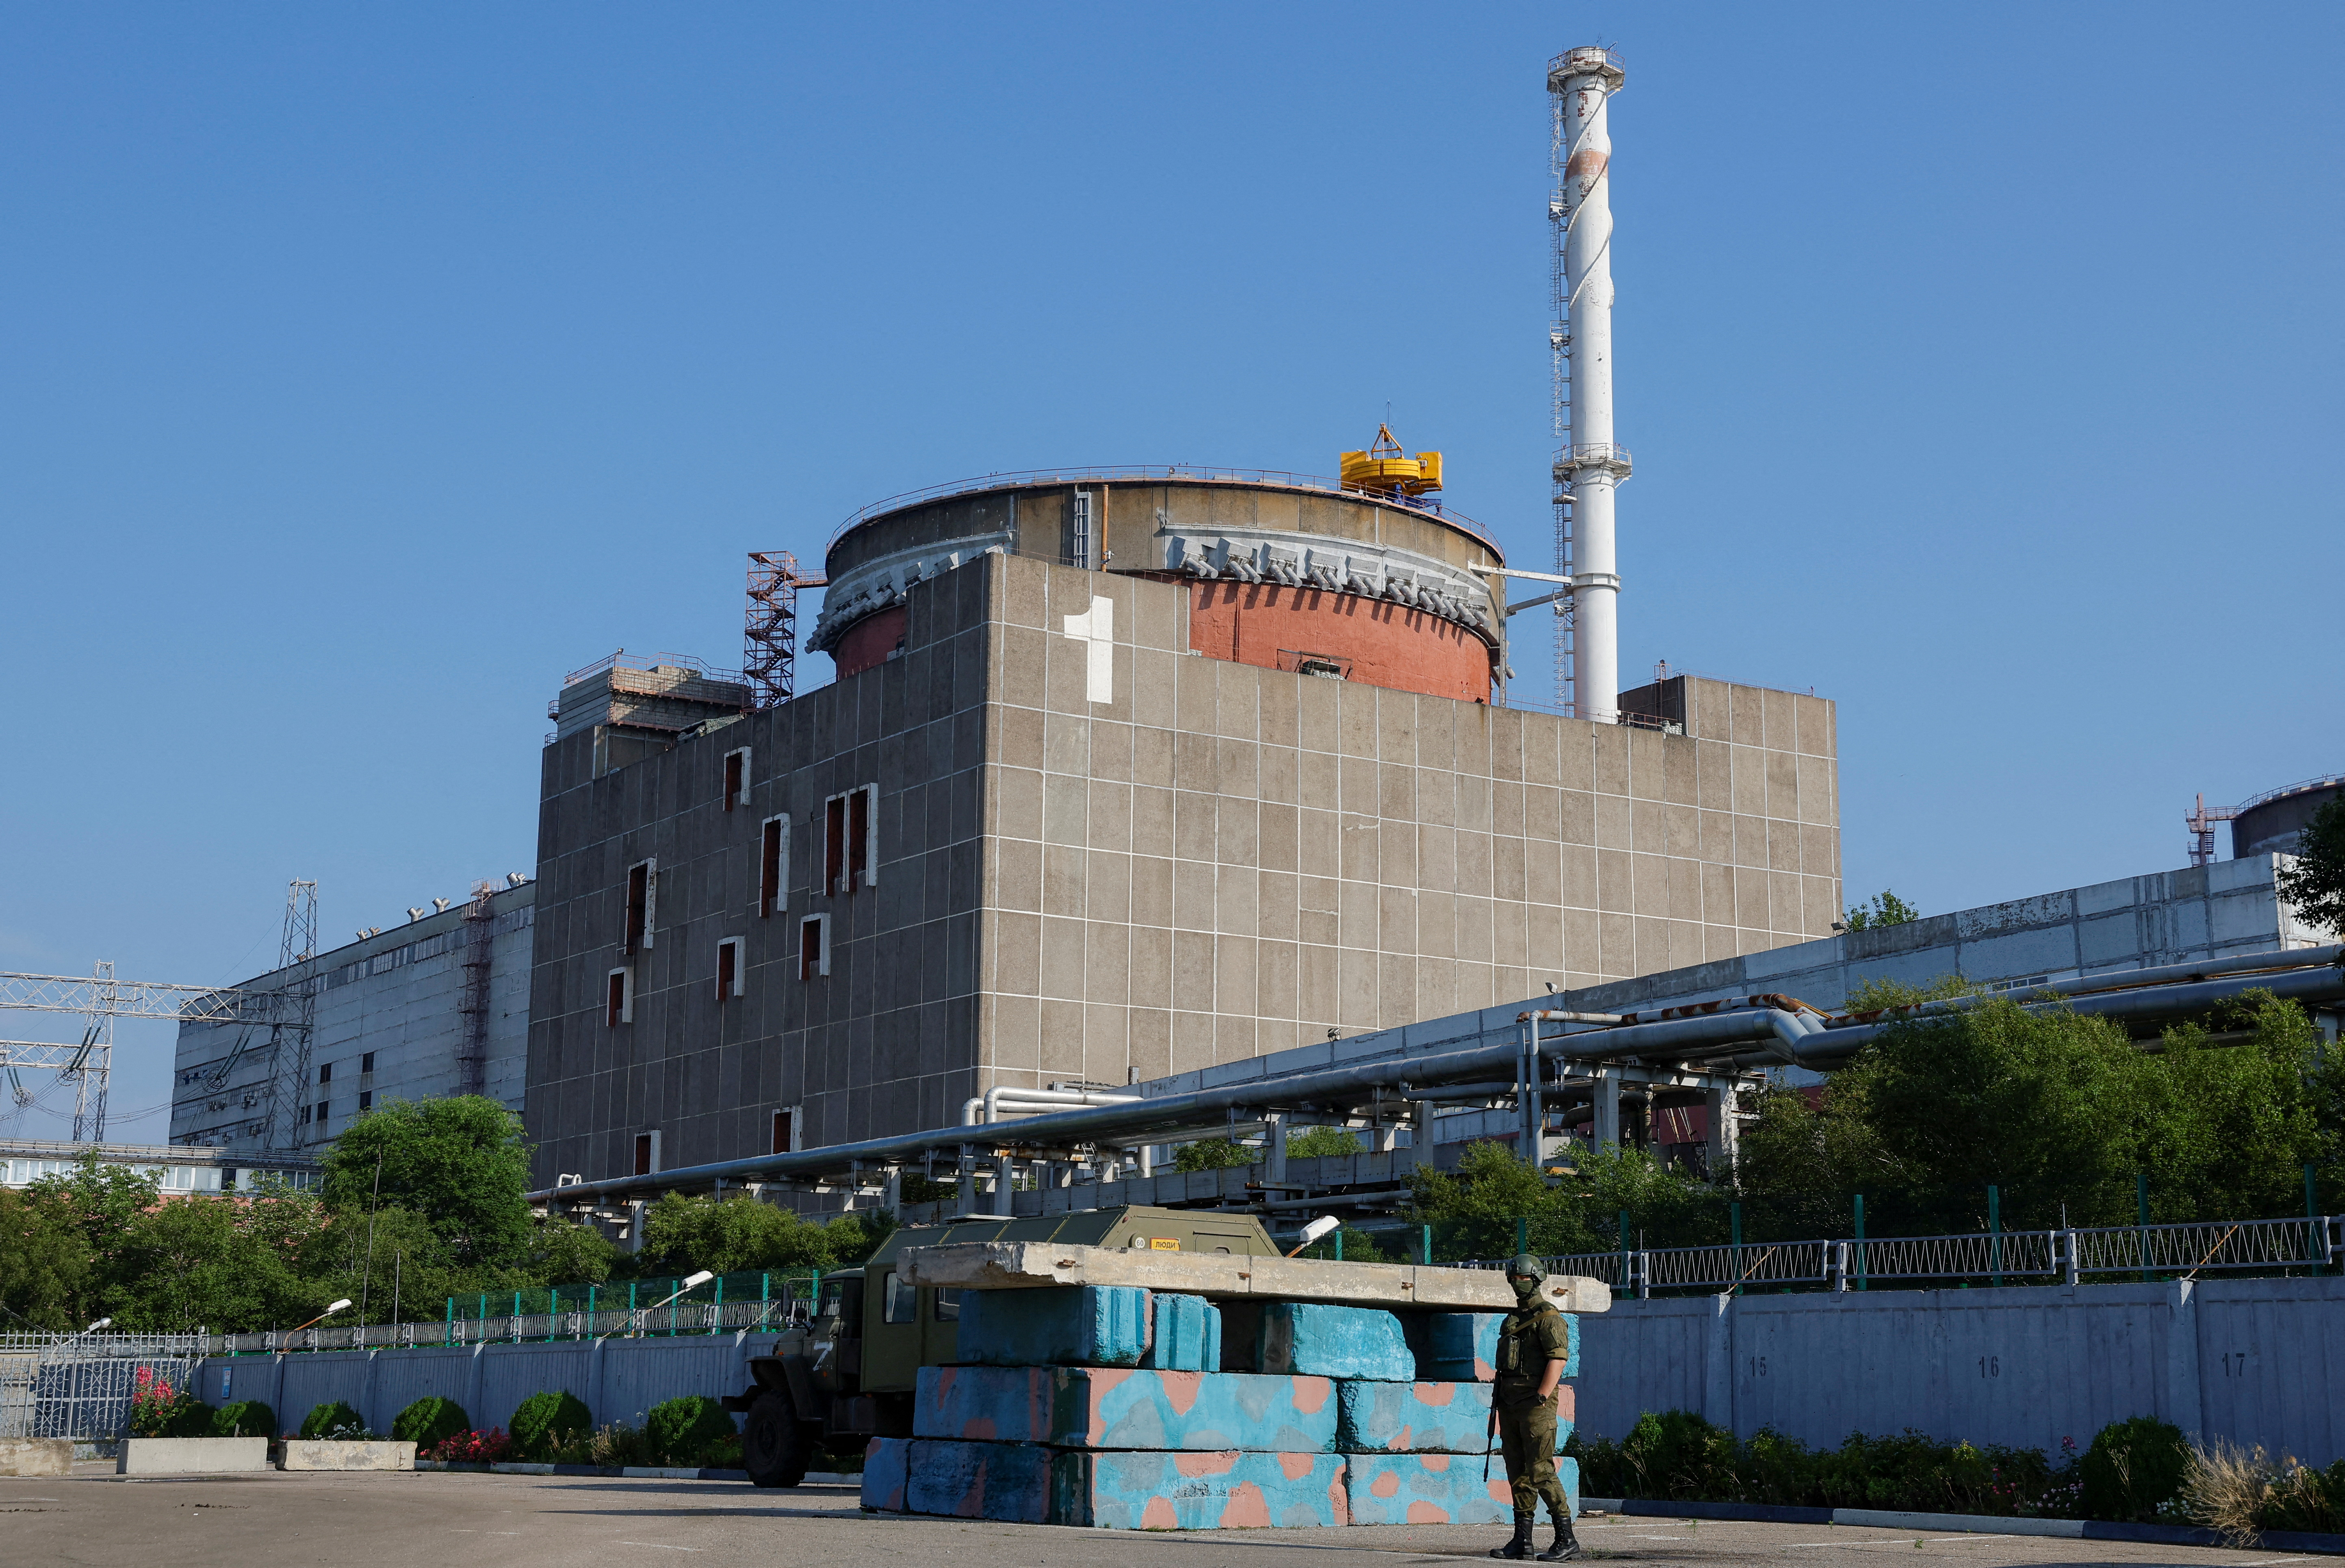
(1756, 1037)
(1825, 1050)
(986, 1108)
(2163, 974)
(1116, 1123)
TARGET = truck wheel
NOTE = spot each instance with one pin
(775, 1447)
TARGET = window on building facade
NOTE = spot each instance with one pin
(850, 840)
(728, 968)
(366, 1099)
(648, 1153)
(618, 999)
(814, 946)
(785, 1124)
(320, 1117)
(736, 778)
(642, 906)
(325, 1072)
(774, 866)
(366, 1063)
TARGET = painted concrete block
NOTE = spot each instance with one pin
(1056, 1325)
(320, 1455)
(1412, 1418)
(1197, 1490)
(1427, 1488)
(1186, 1336)
(1441, 1488)
(1306, 1338)
(36, 1456)
(189, 1455)
(887, 1471)
(1005, 1480)
(1110, 1407)
(1461, 1347)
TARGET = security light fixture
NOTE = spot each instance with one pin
(1323, 1226)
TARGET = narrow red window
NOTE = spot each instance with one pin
(639, 899)
(834, 845)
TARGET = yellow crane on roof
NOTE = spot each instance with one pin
(1386, 469)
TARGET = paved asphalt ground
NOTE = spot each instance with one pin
(267, 1519)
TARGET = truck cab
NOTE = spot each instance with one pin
(849, 1369)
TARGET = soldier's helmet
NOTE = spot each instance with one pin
(1523, 1266)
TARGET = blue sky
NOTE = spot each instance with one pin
(362, 370)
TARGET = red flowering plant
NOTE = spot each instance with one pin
(489, 1447)
(159, 1410)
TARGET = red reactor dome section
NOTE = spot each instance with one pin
(1383, 587)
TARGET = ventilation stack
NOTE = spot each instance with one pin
(1589, 465)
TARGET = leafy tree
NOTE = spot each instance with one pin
(1212, 1154)
(1317, 1142)
(461, 1163)
(1885, 909)
(565, 1253)
(224, 1263)
(48, 1275)
(738, 1233)
(2315, 885)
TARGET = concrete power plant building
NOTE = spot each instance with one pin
(1125, 775)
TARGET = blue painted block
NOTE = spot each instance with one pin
(1006, 1481)
(1055, 1325)
(1312, 1340)
(887, 1462)
(1418, 1418)
(1439, 1489)
(1186, 1336)
(1110, 1407)
(1197, 1490)
(1462, 1347)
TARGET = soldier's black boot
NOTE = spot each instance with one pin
(1520, 1546)
(1567, 1544)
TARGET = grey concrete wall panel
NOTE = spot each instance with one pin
(2256, 1362)
(2272, 1363)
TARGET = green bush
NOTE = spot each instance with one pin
(2134, 1471)
(430, 1420)
(330, 1419)
(245, 1417)
(1677, 1456)
(546, 1418)
(680, 1431)
(189, 1417)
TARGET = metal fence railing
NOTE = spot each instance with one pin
(730, 1304)
(1992, 1257)
(80, 1385)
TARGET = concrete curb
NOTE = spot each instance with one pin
(631, 1472)
(1962, 1524)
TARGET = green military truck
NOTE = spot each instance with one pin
(847, 1371)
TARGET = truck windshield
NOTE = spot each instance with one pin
(831, 1292)
(948, 1304)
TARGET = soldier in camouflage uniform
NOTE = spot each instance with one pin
(1533, 1345)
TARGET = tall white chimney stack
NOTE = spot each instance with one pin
(1589, 465)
